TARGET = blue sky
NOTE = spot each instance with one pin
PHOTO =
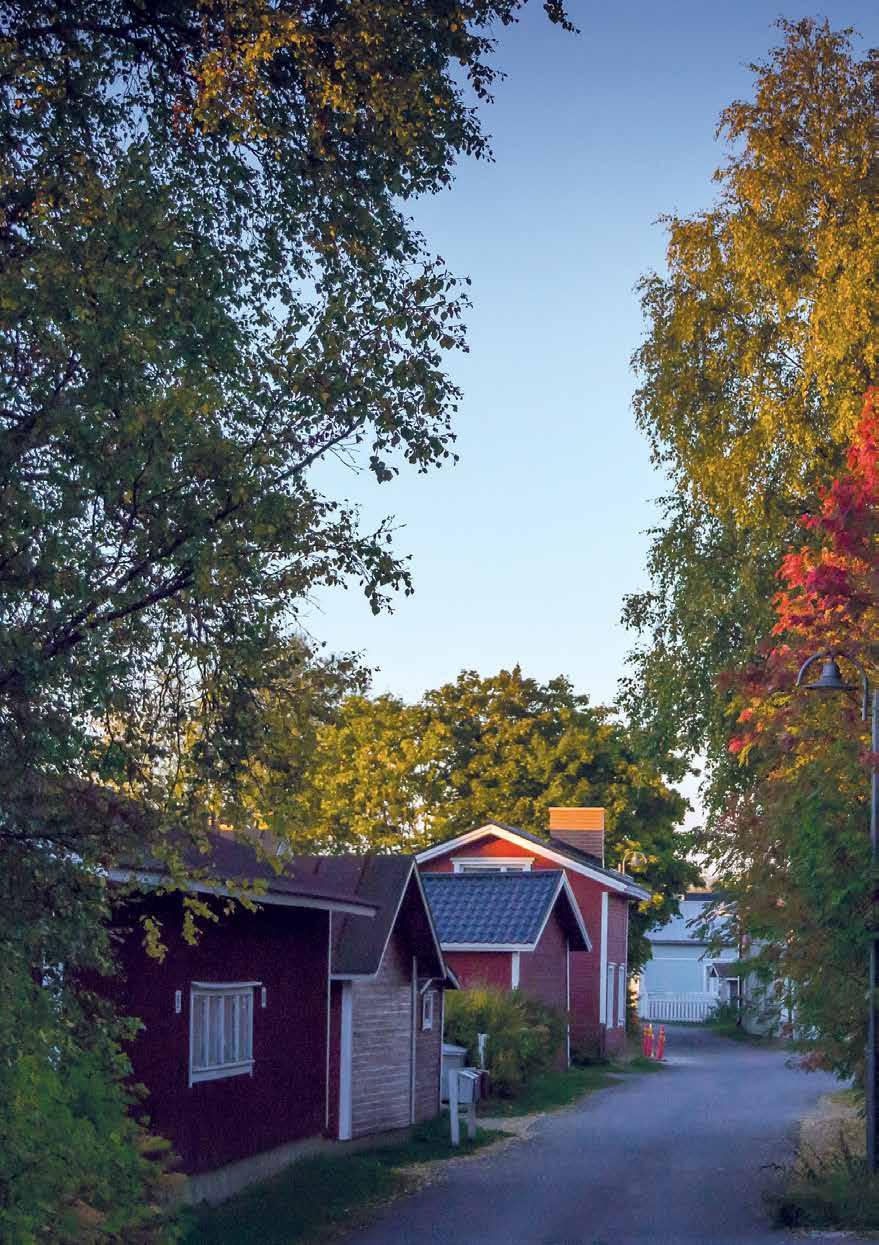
(524, 551)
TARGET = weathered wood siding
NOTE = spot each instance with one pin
(427, 1066)
(381, 1062)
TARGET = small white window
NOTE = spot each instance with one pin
(621, 991)
(610, 995)
(220, 1031)
(492, 864)
(427, 1009)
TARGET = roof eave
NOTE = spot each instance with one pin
(282, 899)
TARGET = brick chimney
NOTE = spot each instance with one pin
(581, 828)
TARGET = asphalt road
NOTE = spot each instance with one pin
(683, 1155)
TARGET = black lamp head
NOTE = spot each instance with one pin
(830, 679)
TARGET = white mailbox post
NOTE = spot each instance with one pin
(463, 1096)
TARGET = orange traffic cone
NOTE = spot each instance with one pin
(647, 1044)
(659, 1047)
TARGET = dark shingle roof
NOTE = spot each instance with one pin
(486, 908)
(391, 885)
(226, 859)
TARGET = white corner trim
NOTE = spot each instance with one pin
(514, 973)
(346, 1048)
(602, 991)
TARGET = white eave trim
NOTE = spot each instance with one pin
(489, 946)
(143, 878)
(510, 836)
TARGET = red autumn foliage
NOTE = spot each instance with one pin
(829, 597)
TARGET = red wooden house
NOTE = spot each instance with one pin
(515, 930)
(239, 1049)
(576, 846)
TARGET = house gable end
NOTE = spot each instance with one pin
(494, 839)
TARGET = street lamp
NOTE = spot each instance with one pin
(831, 680)
(638, 859)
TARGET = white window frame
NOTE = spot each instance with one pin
(609, 985)
(492, 864)
(427, 1010)
(621, 994)
(200, 1067)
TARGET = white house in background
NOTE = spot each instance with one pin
(686, 976)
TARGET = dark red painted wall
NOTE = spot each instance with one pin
(335, 1056)
(217, 1122)
(482, 968)
(542, 972)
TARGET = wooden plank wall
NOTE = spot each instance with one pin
(381, 1065)
(427, 1062)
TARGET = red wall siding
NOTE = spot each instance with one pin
(542, 972)
(217, 1122)
(617, 925)
(489, 846)
(482, 968)
(335, 1057)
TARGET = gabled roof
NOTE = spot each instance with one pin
(501, 911)
(726, 969)
(230, 866)
(391, 884)
(559, 853)
(688, 928)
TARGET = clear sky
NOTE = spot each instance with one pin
(524, 551)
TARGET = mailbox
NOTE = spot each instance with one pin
(468, 1086)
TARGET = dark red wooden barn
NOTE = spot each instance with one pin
(240, 1045)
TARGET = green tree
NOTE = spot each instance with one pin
(387, 775)
(762, 336)
(208, 285)
(792, 841)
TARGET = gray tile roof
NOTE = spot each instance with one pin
(486, 908)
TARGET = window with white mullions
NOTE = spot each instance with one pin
(221, 1030)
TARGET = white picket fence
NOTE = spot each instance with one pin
(671, 1007)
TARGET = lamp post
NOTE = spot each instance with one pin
(831, 680)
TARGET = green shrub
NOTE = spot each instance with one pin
(524, 1037)
(74, 1165)
(725, 1016)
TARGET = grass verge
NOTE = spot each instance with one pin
(829, 1185)
(312, 1198)
(559, 1089)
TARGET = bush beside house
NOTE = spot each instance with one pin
(524, 1036)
